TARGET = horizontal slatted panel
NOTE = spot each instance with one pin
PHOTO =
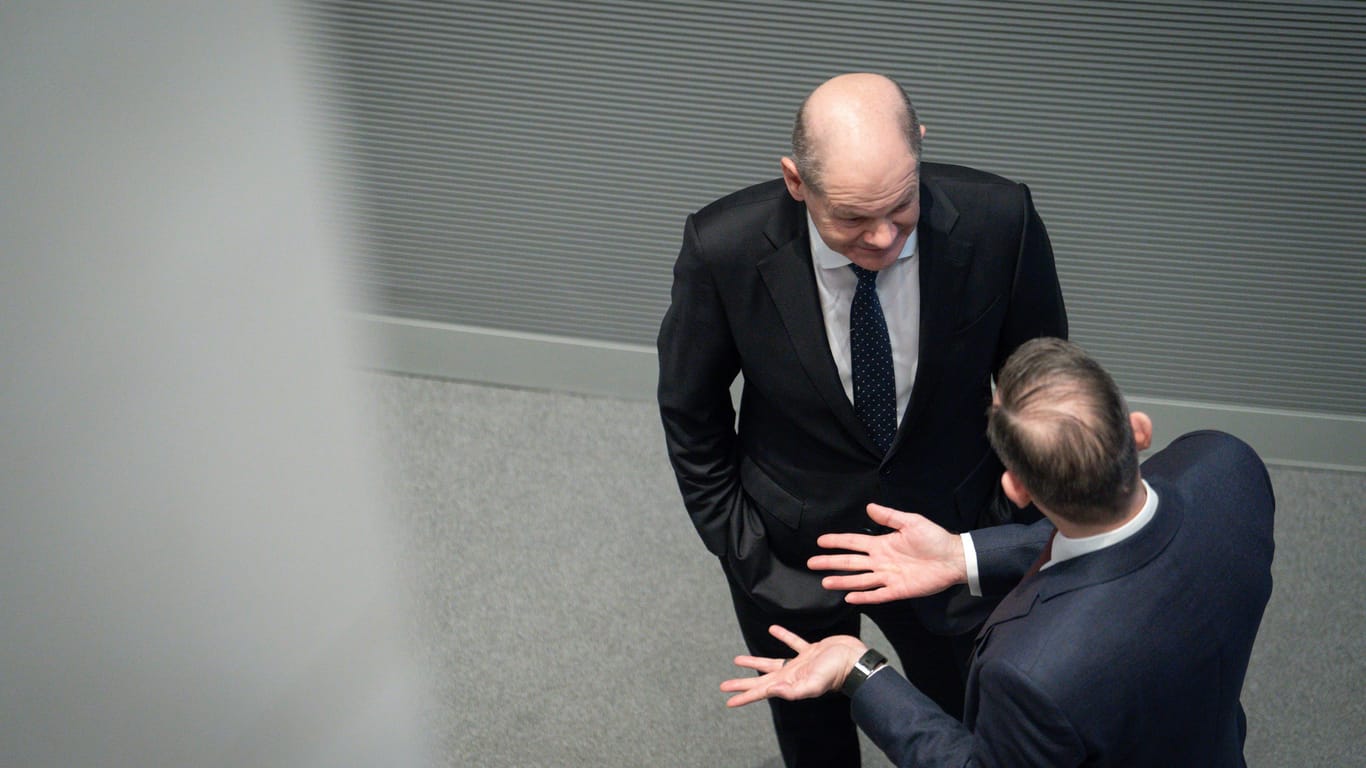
(527, 166)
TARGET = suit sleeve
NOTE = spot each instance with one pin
(698, 362)
(1005, 552)
(1036, 305)
(1019, 724)
(1016, 724)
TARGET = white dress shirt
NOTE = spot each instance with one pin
(1065, 548)
(898, 291)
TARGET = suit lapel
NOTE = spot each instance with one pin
(787, 274)
(944, 264)
(1094, 568)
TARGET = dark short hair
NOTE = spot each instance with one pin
(1062, 428)
(808, 161)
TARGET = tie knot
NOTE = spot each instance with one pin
(867, 276)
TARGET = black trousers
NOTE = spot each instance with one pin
(820, 732)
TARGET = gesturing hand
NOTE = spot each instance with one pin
(818, 668)
(917, 558)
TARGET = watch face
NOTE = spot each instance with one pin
(870, 661)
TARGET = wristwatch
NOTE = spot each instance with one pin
(870, 662)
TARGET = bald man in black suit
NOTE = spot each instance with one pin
(765, 286)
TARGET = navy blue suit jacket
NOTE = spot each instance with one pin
(1133, 655)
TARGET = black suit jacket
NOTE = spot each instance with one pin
(1133, 655)
(799, 463)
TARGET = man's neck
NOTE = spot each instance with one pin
(1133, 507)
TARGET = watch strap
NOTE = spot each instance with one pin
(867, 664)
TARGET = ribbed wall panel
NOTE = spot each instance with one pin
(527, 166)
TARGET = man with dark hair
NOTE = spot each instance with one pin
(1128, 642)
(1059, 423)
(868, 299)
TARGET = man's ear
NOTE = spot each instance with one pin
(1143, 429)
(792, 179)
(1014, 490)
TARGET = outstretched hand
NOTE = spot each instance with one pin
(917, 558)
(819, 668)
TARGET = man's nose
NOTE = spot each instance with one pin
(880, 234)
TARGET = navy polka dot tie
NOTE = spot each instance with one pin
(871, 350)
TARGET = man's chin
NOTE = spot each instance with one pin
(874, 261)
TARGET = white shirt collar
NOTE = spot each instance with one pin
(1065, 548)
(828, 258)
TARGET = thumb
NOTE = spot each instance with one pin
(887, 516)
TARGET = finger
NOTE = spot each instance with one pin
(871, 597)
(838, 562)
(740, 684)
(889, 517)
(793, 641)
(853, 582)
(854, 542)
(777, 689)
(760, 664)
(747, 697)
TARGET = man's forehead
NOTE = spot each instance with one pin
(850, 199)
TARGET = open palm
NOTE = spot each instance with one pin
(917, 558)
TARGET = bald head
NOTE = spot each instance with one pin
(852, 124)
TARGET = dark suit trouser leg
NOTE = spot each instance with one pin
(814, 733)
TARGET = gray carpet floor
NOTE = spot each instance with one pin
(566, 613)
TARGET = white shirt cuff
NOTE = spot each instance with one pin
(970, 559)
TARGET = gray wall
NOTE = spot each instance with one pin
(520, 172)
